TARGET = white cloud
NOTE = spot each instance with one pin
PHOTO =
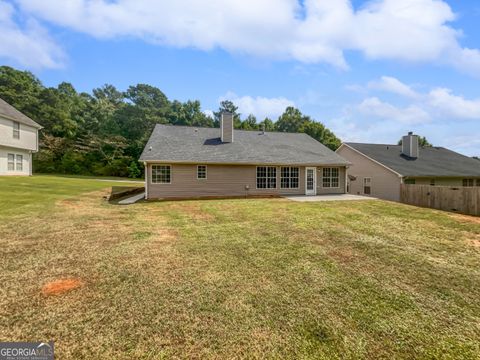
(30, 46)
(209, 113)
(354, 128)
(408, 29)
(438, 103)
(453, 105)
(259, 106)
(466, 144)
(445, 118)
(321, 31)
(412, 114)
(393, 85)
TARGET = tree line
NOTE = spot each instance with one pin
(104, 133)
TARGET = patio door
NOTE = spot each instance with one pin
(310, 181)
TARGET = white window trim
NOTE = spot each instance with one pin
(9, 162)
(364, 185)
(315, 178)
(206, 173)
(276, 177)
(17, 162)
(298, 182)
(331, 187)
(161, 183)
(15, 130)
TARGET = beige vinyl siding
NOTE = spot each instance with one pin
(26, 161)
(222, 181)
(385, 184)
(27, 139)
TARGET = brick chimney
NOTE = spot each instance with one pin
(226, 127)
(410, 145)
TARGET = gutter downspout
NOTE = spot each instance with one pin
(146, 180)
(346, 179)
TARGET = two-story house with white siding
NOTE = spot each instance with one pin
(18, 141)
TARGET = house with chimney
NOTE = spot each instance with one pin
(378, 169)
(193, 162)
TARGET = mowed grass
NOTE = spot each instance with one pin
(235, 278)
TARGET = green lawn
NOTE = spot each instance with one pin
(235, 278)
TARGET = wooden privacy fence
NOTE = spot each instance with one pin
(460, 199)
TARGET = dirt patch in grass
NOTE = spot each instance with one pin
(193, 210)
(79, 201)
(466, 218)
(62, 286)
(71, 203)
(475, 241)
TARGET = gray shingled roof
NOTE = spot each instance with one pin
(431, 161)
(10, 112)
(203, 145)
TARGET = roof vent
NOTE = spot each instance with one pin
(150, 148)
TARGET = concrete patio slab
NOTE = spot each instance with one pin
(329, 197)
(132, 199)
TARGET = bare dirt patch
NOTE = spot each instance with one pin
(342, 255)
(194, 211)
(84, 202)
(468, 218)
(475, 241)
(62, 286)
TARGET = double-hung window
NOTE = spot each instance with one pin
(15, 162)
(330, 178)
(367, 186)
(16, 130)
(201, 172)
(266, 177)
(11, 162)
(19, 162)
(289, 177)
(467, 182)
(161, 174)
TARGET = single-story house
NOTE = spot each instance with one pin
(194, 162)
(18, 141)
(379, 169)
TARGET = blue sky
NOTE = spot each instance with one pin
(369, 70)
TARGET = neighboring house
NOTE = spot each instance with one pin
(378, 170)
(192, 162)
(18, 141)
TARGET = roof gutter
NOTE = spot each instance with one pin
(187, 162)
